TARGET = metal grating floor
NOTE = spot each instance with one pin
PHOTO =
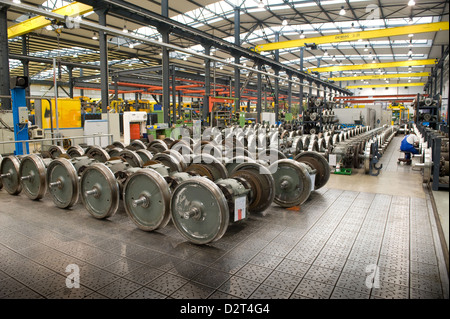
(342, 244)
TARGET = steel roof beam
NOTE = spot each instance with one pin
(146, 17)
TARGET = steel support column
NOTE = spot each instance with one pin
(441, 84)
(289, 93)
(104, 72)
(310, 89)
(4, 60)
(205, 110)
(164, 31)
(25, 65)
(237, 59)
(259, 94)
(277, 81)
(70, 69)
(174, 96)
(300, 108)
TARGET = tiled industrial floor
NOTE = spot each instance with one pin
(341, 244)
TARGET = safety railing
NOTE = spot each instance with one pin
(96, 141)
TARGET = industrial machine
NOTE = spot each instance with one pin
(134, 125)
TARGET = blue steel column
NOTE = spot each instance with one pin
(4, 59)
(237, 60)
(20, 130)
(104, 73)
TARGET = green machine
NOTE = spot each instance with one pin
(288, 117)
(157, 127)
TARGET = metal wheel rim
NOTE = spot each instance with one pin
(91, 203)
(11, 164)
(138, 144)
(145, 155)
(132, 158)
(158, 145)
(67, 194)
(156, 213)
(318, 162)
(216, 219)
(299, 183)
(99, 154)
(258, 176)
(35, 187)
(55, 151)
(170, 161)
(232, 163)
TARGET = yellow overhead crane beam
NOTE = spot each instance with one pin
(355, 36)
(71, 10)
(369, 66)
(379, 76)
(383, 85)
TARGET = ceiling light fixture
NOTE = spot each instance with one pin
(410, 35)
(302, 35)
(125, 30)
(326, 53)
(261, 4)
(285, 22)
(411, 3)
(366, 49)
(94, 37)
(342, 12)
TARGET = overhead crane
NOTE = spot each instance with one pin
(71, 10)
(369, 66)
(384, 85)
(379, 76)
(355, 36)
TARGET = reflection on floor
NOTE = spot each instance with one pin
(371, 238)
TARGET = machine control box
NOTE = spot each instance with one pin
(23, 115)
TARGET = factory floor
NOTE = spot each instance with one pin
(358, 237)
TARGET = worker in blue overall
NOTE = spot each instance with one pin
(409, 146)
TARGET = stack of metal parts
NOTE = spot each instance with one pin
(169, 179)
(433, 156)
(318, 116)
(352, 147)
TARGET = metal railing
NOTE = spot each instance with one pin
(61, 139)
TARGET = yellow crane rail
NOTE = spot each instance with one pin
(379, 76)
(355, 36)
(383, 85)
(368, 66)
(71, 10)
